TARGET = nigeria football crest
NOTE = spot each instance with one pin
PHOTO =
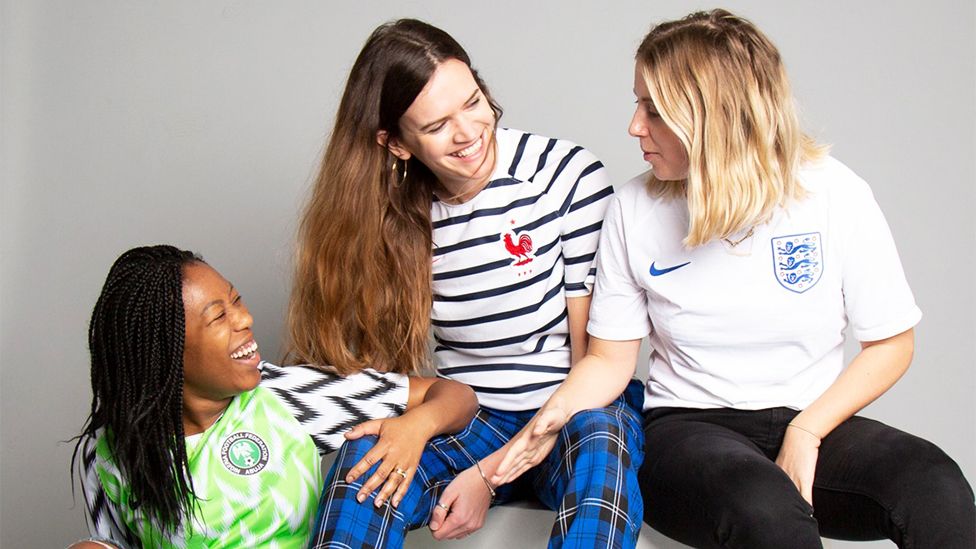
(798, 261)
(244, 453)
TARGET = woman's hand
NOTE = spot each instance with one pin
(462, 506)
(532, 444)
(798, 458)
(398, 449)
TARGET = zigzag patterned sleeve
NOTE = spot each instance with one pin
(104, 523)
(327, 405)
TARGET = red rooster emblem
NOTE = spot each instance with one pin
(520, 250)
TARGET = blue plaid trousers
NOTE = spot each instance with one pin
(589, 479)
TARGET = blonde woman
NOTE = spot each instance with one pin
(744, 254)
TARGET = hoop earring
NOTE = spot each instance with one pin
(393, 169)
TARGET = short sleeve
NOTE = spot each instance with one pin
(877, 298)
(582, 212)
(618, 311)
(327, 404)
(101, 514)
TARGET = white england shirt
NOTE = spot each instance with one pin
(760, 324)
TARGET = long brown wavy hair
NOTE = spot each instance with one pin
(361, 295)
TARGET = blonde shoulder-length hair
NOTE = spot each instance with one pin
(720, 86)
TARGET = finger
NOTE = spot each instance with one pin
(401, 490)
(371, 427)
(372, 457)
(441, 509)
(518, 470)
(518, 466)
(453, 526)
(389, 486)
(375, 481)
(465, 526)
(512, 455)
(438, 516)
(542, 426)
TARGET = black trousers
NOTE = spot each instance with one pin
(710, 479)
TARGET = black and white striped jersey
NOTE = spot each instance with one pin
(505, 262)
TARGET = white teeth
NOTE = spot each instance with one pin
(475, 147)
(245, 351)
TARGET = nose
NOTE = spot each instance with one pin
(637, 126)
(242, 318)
(466, 129)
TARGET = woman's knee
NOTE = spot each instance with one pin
(350, 453)
(896, 467)
(605, 429)
(924, 478)
(615, 420)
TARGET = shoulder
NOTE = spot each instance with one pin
(525, 153)
(833, 185)
(635, 196)
(832, 176)
(635, 188)
(321, 379)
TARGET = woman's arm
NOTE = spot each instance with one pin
(435, 406)
(578, 313)
(872, 372)
(594, 382)
(101, 514)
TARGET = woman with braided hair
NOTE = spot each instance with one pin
(192, 441)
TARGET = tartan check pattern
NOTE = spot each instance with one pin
(590, 479)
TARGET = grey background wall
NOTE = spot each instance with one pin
(201, 124)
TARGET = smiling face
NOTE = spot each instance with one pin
(449, 128)
(661, 147)
(220, 358)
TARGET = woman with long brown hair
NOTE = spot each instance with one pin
(744, 254)
(428, 217)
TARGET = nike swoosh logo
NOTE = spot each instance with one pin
(659, 272)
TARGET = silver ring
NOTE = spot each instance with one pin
(442, 506)
(401, 472)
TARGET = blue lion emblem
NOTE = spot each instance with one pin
(798, 261)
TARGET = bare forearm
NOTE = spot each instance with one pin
(599, 378)
(592, 383)
(872, 372)
(447, 407)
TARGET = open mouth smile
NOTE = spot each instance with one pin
(245, 351)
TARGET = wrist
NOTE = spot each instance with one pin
(558, 403)
(803, 432)
(484, 478)
(423, 420)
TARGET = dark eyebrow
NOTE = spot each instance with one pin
(230, 291)
(429, 125)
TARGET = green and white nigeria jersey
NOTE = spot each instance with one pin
(256, 475)
(256, 470)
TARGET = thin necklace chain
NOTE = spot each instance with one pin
(741, 240)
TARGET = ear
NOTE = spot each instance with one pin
(392, 144)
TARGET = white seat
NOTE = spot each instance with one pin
(521, 525)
